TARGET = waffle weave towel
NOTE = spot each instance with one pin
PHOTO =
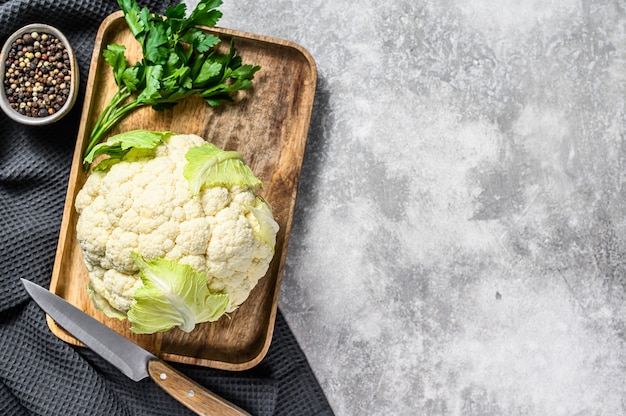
(41, 375)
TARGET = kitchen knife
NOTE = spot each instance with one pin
(128, 357)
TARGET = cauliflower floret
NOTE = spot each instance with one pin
(93, 236)
(194, 235)
(118, 289)
(117, 256)
(214, 200)
(145, 206)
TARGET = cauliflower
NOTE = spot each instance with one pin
(171, 205)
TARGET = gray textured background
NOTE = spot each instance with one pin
(459, 239)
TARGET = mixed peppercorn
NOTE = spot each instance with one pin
(37, 74)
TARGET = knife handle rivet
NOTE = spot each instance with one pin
(190, 393)
(162, 376)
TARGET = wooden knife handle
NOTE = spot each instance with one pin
(190, 393)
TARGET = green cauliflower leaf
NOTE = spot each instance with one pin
(172, 295)
(209, 166)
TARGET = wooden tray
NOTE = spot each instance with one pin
(268, 125)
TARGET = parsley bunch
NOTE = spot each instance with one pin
(179, 61)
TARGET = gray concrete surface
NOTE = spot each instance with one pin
(460, 237)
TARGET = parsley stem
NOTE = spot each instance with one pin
(119, 114)
(108, 118)
(120, 96)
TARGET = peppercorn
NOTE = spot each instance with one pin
(37, 75)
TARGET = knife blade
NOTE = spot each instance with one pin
(132, 360)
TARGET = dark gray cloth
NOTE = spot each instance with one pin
(41, 375)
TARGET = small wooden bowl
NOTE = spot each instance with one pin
(74, 73)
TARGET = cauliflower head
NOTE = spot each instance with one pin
(172, 201)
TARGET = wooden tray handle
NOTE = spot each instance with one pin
(190, 393)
